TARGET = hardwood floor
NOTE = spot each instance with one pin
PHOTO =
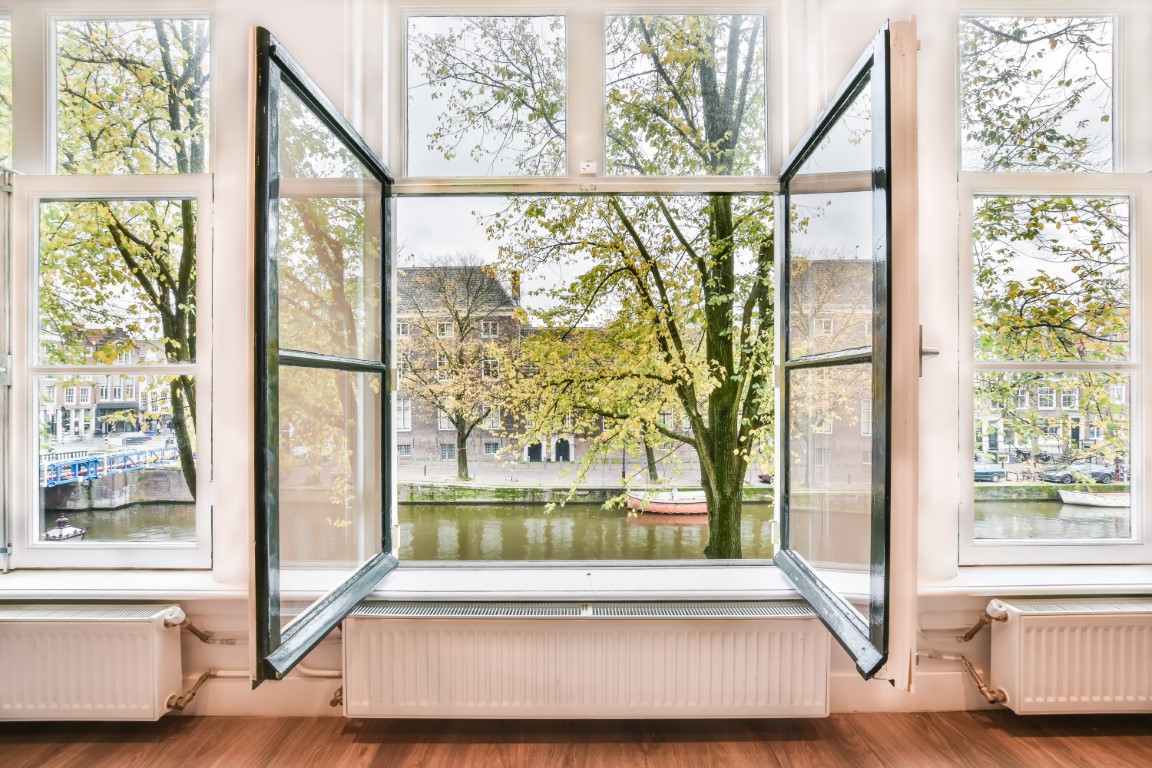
(986, 739)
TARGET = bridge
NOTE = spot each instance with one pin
(93, 467)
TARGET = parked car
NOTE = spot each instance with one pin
(985, 473)
(1074, 473)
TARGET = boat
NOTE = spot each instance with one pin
(64, 531)
(1088, 499)
(668, 503)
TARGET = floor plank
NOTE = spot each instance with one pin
(915, 740)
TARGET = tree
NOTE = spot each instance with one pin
(132, 99)
(679, 287)
(452, 304)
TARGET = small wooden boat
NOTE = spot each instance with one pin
(668, 503)
(1089, 499)
(64, 531)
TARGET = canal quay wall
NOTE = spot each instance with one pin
(156, 485)
(464, 493)
(1039, 491)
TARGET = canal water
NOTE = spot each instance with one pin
(588, 532)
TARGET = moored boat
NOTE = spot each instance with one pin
(668, 503)
(1088, 499)
(64, 531)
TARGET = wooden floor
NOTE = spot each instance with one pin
(983, 740)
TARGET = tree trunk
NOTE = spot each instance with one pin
(462, 454)
(181, 429)
(650, 455)
(724, 490)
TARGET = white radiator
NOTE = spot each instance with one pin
(610, 660)
(91, 662)
(1074, 655)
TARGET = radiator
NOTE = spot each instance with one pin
(610, 660)
(1076, 655)
(92, 662)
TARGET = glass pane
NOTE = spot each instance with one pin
(328, 241)
(5, 92)
(830, 304)
(846, 145)
(1036, 93)
(830, 466)
(132, 96)
(331, 493)
(117, 282)
(486, 96)
(531, 335)
(1052, 278)
(117, 457)
(685, 95)
(1052, 455)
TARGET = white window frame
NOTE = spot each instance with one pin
(825, 326)
(1069, 399)
(489, 368)
(445, 329)
(447, 452)
(28, 550)
(489, 329)
(443, 421)
(85, 395)
(403, 328)
(403, 413)
(442, 366)
(1137, 548)
(494, 445)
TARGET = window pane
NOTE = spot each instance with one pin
(132, 96)
(1036, 94)
(117, 282)
(830, 302)
(846, 145)
(328, 241)
(5, 92)
(117, 456)
(830, 467)
(486, 96)
(330, 468)
(685, 95)
(1052, 278)
(602, 308)
(1029, 453)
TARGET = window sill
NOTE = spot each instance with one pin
(1001, 580)
(80, 585)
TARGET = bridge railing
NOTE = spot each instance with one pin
(92, 467)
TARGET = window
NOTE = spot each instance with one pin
(444, 421)
(824, 326)
(492, 422)
(403, 328)
(404, 450)
(1117, 393)
(115, 237)
(866, 418)
(445, 330)
(1069, 399)
(489, 368)
(443, 368)
(404, 414)
(1045, 398)
(489, 329)
(491, 447)
(1050, 229)
(447, 452)
(405, 366)
(69, 395)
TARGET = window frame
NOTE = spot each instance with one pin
(28, 550)
(1136, 548)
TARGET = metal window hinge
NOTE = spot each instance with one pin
(5, 370)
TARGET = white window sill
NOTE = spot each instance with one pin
(77, 585)
(1001, 580)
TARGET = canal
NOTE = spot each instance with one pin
(453, 531)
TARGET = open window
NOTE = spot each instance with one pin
(321, 243)
(845, 313)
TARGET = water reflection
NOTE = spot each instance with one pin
(136, 522)
(1050, 520)
(574, 532)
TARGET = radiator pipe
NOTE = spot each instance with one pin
(337, 698)
(997, 696)
(996, 611)
(183, 700)
(177, 618)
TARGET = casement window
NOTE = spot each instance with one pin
(444, 421)
(1052, 247)
(445, 330)
(489, 329)
(550, 177)
(403, 328)
(491, 447)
